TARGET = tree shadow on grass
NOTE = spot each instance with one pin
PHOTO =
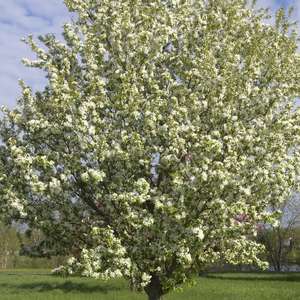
(66, 287)
(24, 274)
(292, 277)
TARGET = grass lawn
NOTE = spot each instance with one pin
(38, 285)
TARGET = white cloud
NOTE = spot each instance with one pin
(18, 19)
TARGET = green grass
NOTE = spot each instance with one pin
(38, 285)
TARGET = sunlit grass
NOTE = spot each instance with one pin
(39, 284)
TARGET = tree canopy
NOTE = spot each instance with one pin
(164, 132)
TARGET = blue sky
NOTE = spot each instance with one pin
(19, 18)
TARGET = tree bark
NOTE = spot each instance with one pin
(154, 288)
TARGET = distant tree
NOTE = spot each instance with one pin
(280, 240)
(162, 121)
(36, 252)
(25, 249)
(9, 246)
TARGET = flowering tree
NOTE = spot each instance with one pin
(162, 121)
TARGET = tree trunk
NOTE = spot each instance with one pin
(154, 288)
(278, 266)
(279, 254)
